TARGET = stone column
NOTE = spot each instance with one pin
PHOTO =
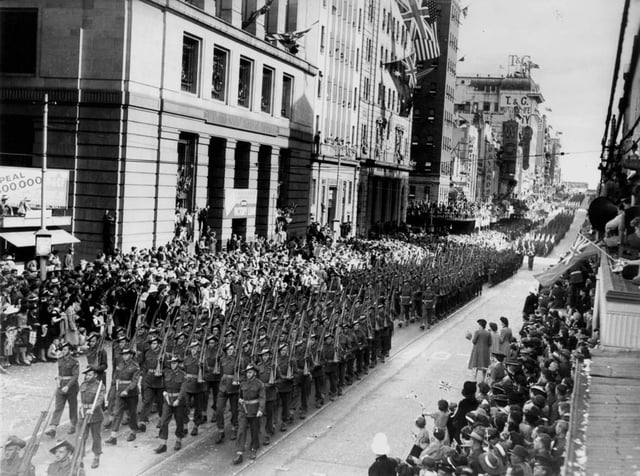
(201, 180)
(273, 191)
(229, 166)
(254, 150)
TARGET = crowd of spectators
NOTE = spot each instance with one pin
(515, 420)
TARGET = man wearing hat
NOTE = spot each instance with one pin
(97, 357)
(152, 384)
(330, 365)
(63, 451)
(284, 382)
(317, 370)
(267, 376)
(195, 386)
(125, 385)
(229, 390)
(174, 404)
(11, 459)
(252, 400)
(212, 374)
(92, 390)
(519, 460)
(67, 391)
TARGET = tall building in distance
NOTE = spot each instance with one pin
(432, 138)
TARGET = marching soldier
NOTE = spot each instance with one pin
(67, 393)
(330, 365)
(428, 308)
(116, 350)
(97, 357)
(212, 374)
(194, 387)
(88, 394)
(252, 407)
(265, 369)
(174, 404)
(228, 392)
(63, 452)
(11, 459)
(302, 378)
(284, 383)
(125, 385)
(317, 370)
(152, 385)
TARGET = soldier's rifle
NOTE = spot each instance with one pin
(132, 315)
(76, 459)
(34, 442)
(238, 349)
(225, 324)
(202, 359)
(164, 332)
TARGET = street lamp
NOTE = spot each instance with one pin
(43, 236)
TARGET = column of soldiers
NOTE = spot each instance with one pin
(258, 362)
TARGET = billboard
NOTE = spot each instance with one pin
(509, 147)
(24, 183)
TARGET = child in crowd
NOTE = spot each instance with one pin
(420, 437)
(53, 352)
(441, 417)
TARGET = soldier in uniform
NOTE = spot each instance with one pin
(11, 459)
(360, 347)
(212, 374)
(97, 357)
(252, 406)
(284, 382)
(152, 386)
(92, 390)
(405, 303)
(63, 451)
(317, 370)
(194, 386)
(228, 391)
(180, 346)
(67, 392)
(302, 378)
(174, 404)
(330, 365)
(265, 374)
(428, 308)
(125, 381)
(116, 354)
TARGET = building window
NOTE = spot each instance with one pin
(287, 95)
(219, 75)
(196, 3)
(267, 90)
(359, 19)
(244, 82)
(18, 41)
(190, 53)
(322, 39)
(319, 86)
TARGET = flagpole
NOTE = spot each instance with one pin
(594, 244)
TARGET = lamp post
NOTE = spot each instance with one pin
(43, 236)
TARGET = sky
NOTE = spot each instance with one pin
(574, 42)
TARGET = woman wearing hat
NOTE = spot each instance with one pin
(481, 352)
(11, 459)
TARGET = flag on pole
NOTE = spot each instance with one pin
(421, 24)
(256, 13)
(581, 249)
(289, 40)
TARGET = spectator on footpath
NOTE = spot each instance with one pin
(481, 352)
(383, 465)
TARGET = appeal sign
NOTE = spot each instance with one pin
(24, 183)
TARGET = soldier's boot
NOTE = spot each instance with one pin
(234, 433)
(111, 441)
(303, 414)
(252, 454)
(178, 445)
(142, 427)
(283, 427)
(51, 432)
(161, 449)
(96, 462)
(237, 459)
(219, 437)
(194, 430)
(267, 440)
(131, 437)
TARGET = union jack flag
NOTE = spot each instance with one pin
(446, 386)
(578, 247)
(421, 23)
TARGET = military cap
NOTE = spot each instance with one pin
(13, 440)
(62, 444)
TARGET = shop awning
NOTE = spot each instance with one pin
(24, 239)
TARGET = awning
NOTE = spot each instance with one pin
(24, 239)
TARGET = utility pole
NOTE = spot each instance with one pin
(43, 237)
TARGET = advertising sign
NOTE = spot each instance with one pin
(239, 203)
(509, 146)
(23, 183)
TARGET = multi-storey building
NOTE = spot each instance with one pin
(432, 138)
(361, 163)
(161, 106)
(507, 104)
